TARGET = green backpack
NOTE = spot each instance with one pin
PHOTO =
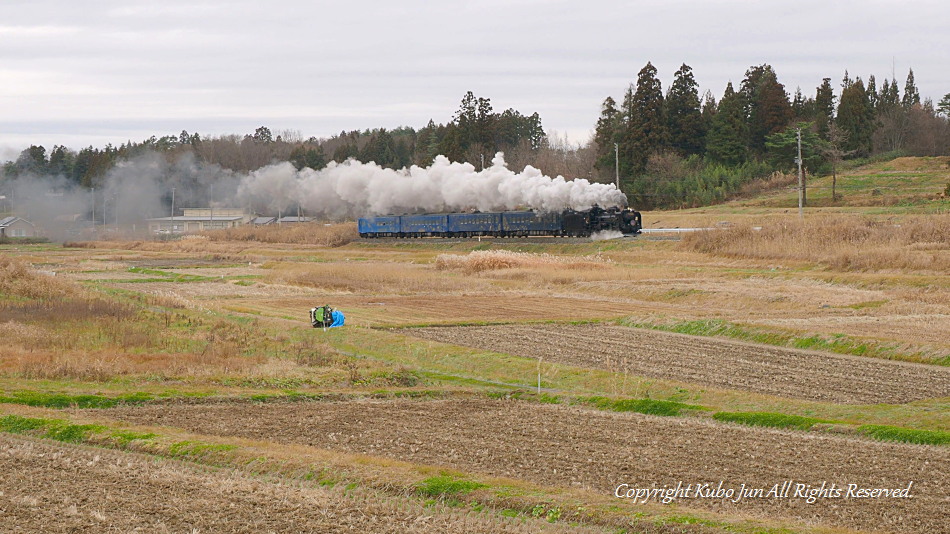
(321, 317)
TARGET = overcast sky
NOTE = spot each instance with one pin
(91, 72)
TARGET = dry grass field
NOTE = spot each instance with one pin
(491, 385)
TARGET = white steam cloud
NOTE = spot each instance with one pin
(138, 188)
(358, 189)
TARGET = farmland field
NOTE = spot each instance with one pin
(728, 364)
(493, 385)
(50, 488)
(565, 446)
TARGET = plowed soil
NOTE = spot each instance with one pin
(54, 488)
(572, 446)
(710, 361)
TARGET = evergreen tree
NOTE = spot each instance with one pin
(766, 105)
(892, 118)
(263, 135)
(872, 92)
(888, 97)
(606, 131)
(381, 149)
(645, 131)
(708, 110)
(684, 117)
(304, 156)
(846, 81)
(944, 105)
(61, 161)
(32, 161)
(783, 148)
(535, 132)
(824, 107)
(485, 125)
(427, 143)
(798, 103)
(911, 96)
(450, 145)
(855, 117)
(725, 142)
(349, 149)
(465, 120)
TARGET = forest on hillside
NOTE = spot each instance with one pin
(671, 148)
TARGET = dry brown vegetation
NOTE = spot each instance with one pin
(19, 280)
(320, 234)
(490, 260)
(52, 328)
(106, 365)
(366, 277)
(845, 243)
(35, 296)
(776, 181)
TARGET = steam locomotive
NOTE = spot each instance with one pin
(568, 223)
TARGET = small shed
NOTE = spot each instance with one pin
(16, 227)
(294, 220)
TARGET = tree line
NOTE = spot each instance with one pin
(670, 148)
(475, 134)
(677, 149)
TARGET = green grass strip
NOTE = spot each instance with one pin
(774, 420)
(645, 406)
(905, 435)
(57, 400)
(54, 428)
(443, 486)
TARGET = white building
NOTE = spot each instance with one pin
(200, 219)
(16, 227)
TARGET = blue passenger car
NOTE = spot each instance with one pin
(474, 224)
(423, 225)
(378, 226)
(522, 223)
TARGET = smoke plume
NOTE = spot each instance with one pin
(150, 185)
(357, 189)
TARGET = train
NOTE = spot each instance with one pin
(567, 223)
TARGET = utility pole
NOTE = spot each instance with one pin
(211, 207)
(801, 177)
(172, 231)
(93, 207)
(482, 156)
(617, 163)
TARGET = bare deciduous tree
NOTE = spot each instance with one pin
(832, 149)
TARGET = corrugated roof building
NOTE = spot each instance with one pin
(199, 219)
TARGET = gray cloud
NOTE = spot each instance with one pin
(84, 73)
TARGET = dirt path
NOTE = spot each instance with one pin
(48, 487)
(710, 361)
(571, 446)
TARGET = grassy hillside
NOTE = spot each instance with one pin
(913, 185)
(902, 186)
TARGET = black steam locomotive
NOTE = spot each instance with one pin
(503, 224)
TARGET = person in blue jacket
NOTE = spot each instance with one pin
(326, 317)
